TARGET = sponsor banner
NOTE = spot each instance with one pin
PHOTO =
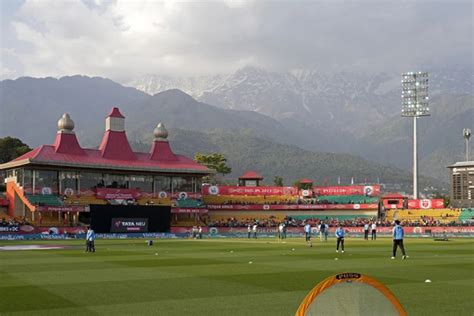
(146, 195)
(117, 194)
(129, 225)
(240, 190)
(351, 231)
(186, 195)
(306, 193)
(83, 236)
(86, 192)
(418, 230)
(9, 228)
(28, 229)
(368, 190)
(426, 204)
(185, 232)
(63, 208)
(188, 210)
(289, 207)
(175, 195)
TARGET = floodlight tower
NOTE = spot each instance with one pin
(467, 134)
(415, 104)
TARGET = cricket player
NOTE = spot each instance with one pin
(366, 231)
(322, 228)
(254, 230)
(90, 237)
(280, 231)
(374, 231)
(249, 230)
(398, 235)
(340, 238)
(307, 232)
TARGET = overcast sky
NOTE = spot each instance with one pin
(127, 38)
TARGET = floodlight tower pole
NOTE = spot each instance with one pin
(415, 160)
(467, 134)
(415, 104)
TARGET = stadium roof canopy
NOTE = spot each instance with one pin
(392, 195)
(114, 151)
(251, 175)
(462, 164)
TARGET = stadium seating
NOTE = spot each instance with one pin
(257, 199)
(466, 215)
(154, 201)
(83, 200)
(247, 217)
(348, 199)
(189, 203)
(47, 199)
(323, 217)
(441, 215)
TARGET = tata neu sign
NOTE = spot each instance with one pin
(129, 225)
(238, 190)
(368, 190)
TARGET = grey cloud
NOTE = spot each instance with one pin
(196, 38)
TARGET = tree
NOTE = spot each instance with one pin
(445, 197)
(297, 184)
(278, 181)
(302, 186)
(11, 148)
(214, 161)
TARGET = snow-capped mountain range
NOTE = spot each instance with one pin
(343, 101)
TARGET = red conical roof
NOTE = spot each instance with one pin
(251, 175)
(115, 113)
(66, 143)
(161, 151)
(115, 145)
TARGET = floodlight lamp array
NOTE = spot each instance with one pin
(415, 94)
(466, 132)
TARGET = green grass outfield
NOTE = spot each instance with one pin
(214, 277)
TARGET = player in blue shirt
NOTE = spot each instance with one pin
(340, 233)
(307, 232)
(90, 237)
(398, 235)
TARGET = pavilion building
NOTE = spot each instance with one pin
(59, 182)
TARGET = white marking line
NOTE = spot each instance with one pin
(29, 247)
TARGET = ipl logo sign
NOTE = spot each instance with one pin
(214, 190)
(162, 195)
(46, 191)
(425, 203)
(68, 192)
(368, 190)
